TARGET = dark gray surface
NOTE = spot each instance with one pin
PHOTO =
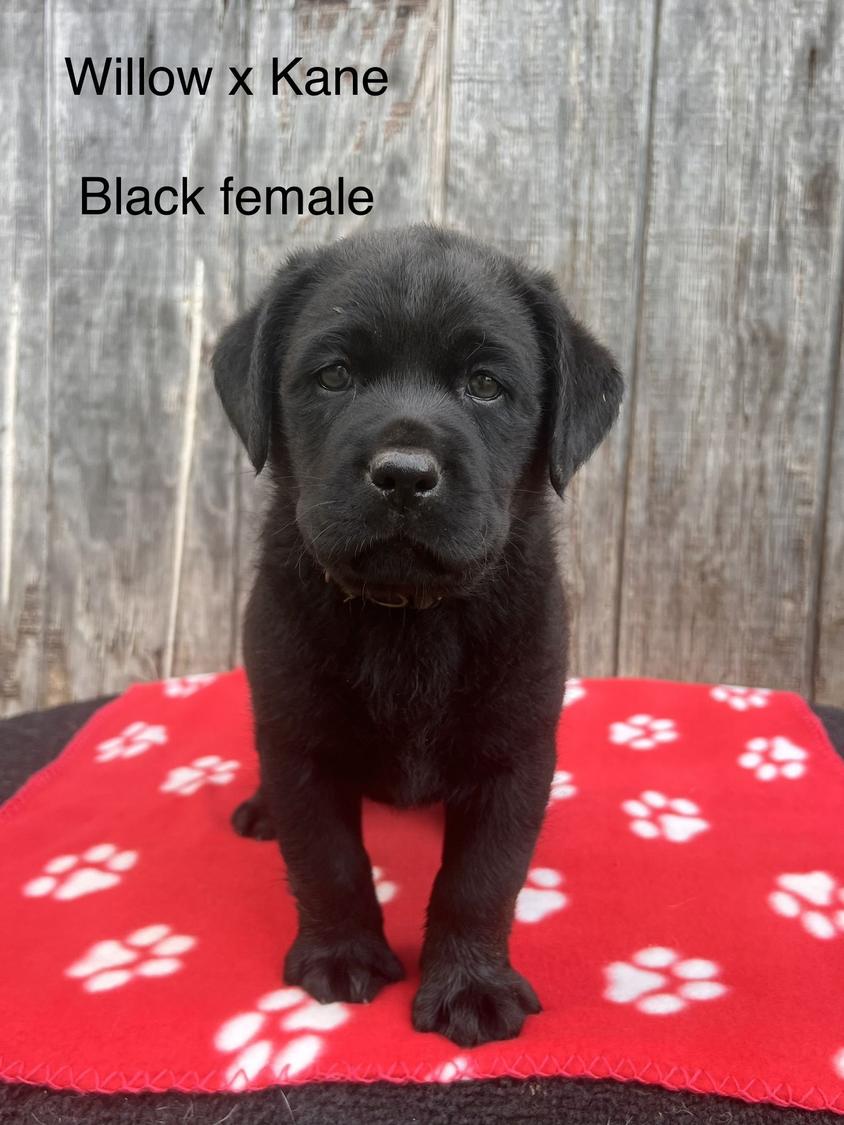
(549, 1101)
(29, 742)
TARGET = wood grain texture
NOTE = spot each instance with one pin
(829, 662)
(24, 359)
(123, 290)
(721, 535)
(203, 624)
(546, 156)
(679, 167)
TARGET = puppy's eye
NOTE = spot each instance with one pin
(482, 385)
(334, 378)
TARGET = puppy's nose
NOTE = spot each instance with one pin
(404, 476)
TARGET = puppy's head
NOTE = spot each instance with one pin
(408, 388)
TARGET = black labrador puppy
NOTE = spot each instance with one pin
(411, 393)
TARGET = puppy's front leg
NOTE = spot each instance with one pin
(469, 991)
(340, 952)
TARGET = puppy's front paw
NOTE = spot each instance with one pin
(474, 1007)
(353, 969)
(252, 818)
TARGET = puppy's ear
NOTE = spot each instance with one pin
(249, 353)
(584, 384)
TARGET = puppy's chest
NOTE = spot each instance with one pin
(404, 758)
(411, 714)
(407, 691)
(405, 770)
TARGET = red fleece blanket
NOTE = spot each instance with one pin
(682, 920)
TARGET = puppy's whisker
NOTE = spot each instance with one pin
(328, 527)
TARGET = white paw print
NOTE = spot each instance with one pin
(659, 982)
(574, 691)
(541, 895)
(153, 951)
(210, 770)
(815, 897)
(458, 1069)
(385, 891)
(255, 1036)
(656, 817)
(643, 732)
(70, 876)
(775, 757)
(136, 739)
(181, 687)
(740, 698)
(562, 786)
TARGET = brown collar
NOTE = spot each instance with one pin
(421, 600)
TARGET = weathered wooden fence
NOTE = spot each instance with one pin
(677, 163)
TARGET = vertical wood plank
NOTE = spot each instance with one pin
(385, 142)
(124, 295)
(829, 658)
(202, 622)
(547, 145)
(24, 352)
(739, 305)
(388, 143)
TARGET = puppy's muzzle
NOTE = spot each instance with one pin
(404, 477)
